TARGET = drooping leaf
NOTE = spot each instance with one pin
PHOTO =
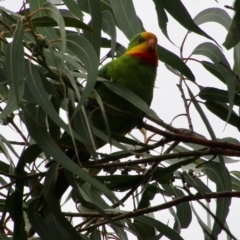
(216, 15)
(162, 17)
(162, 228)
(54, 206)
(109, 28)
(126, 17)
(214, 53)
(74, 8)
(180, 13)
(34, 119)
(217, 95)
(30, 154)
(15, 69)
(212, 68)
(184, 212)
(233, 36)
(54, 13)
(131, 97)
(93, 7)
(202, 115)
(46, 21)
(221, 110)
(86, 54)
(236, 57)
(175, 62)
(218, 173)
(206, 229)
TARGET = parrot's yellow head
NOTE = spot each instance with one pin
(144, 46)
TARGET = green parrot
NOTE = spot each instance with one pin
(136, 70)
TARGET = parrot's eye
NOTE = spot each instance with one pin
(140, 40)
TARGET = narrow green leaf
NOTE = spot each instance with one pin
(74, 8)
(95, 197)
(15, 61)
(196, 183)
(174, 167)
(88, 197)
(175, 62)
(95, 234)
(86, 54)
(104, 115)
(131, 97)
(17, 215)
(2, 205)
(126, 17)
(142, 231)
(54, 13)
(235, 183)
(217, 95)
(84, 129)
(119, 182)
(215, 54)
(43, 229)
(109, 28)
(30, 154)
(103, 136)
(218, 173)
(54, 129)
(46, 21)
(233, 36)
(236, 58)
(12, 104)
(180, 13)
(35, 121)
(205, 228)
(35, 6)
(162, 228)
(80, 197)
(49, 33)
(35, 85)
(236, 173)
(147, 196)
(4, 141)
(162, 17)
(53, 202)
(217, 15)
(184, 212)
(15, 69)
(230, 140)
(4, 167)
(221, 110)
(8, 18)
(93, 7)
(213, 70)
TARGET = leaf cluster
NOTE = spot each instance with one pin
(49, 61)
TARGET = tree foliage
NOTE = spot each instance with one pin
(49, 64)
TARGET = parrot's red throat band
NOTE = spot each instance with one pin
(149, 57)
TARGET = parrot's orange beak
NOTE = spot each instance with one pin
(152, 43)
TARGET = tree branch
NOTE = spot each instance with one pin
(192, 139)
(163, 206)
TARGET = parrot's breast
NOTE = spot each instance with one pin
(135, 75)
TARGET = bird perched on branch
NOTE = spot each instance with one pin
(136, 70)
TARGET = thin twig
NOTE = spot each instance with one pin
(185, 103)
(167, 156)
(160, 207)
